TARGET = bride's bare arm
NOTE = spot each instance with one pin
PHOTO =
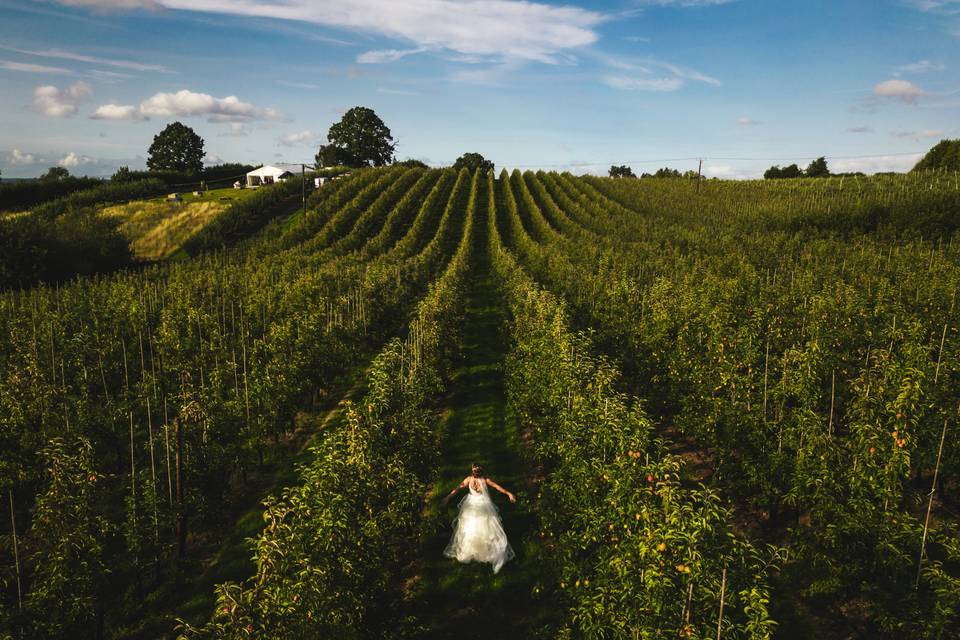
(509, 495)
(454, 492)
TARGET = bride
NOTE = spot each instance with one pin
(477, 532)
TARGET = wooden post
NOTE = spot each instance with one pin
(181, 514)
(16, 553)
(723, 592)
(933, 490)
(833, 388)
(943, 337)
(133, 483)
(166, 441)
(153, 476)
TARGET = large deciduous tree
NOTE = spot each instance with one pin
(56, 173)
(176, 148)
(944, 155)
(473, 161)
(360, 139)
(622, 171)
(818, 168)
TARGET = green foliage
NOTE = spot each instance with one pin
(473, 162)
(29, 193)
(81, 242)
(412, 163)
(775, 172)
(55, 173)
(66, 544)
(665, 172)
(247, 216)
(359, 139)
(944, 156)
(176, 148)
(622, 171)
(817, 169)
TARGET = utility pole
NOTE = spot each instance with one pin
(303, 187)
(699, 173)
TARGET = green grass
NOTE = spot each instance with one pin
(448, 599)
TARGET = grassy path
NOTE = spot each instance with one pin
(449, 599)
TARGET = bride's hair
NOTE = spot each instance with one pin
(476, 469)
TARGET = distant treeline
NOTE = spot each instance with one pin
(27, 193)
(19, 195)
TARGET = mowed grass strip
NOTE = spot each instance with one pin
(156, 228)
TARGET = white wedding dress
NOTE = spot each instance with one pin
(478, 535)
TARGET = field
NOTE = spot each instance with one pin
(728, 409)
(156, 228)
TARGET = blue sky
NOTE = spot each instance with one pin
(541, 84)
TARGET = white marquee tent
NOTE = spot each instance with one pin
(270, 173)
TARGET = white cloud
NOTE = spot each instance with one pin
(923, 66)
(237, 130)
(299, 138)
(186, 103)
(72, 160)
(77, 57)
(876, 163)
(643, 84)
(530, 31)
(183, 104)
(720, 171)
(899, 90)
(860, 130)
(388, 55)
(116, 112)
(746, 121)
(17, 157)
(57, 103)
(32, 68)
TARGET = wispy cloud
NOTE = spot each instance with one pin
(299, 138)
(387, 55)
(530, 31)
(746, 121)
(923, 66)
(948, 7)
(32, 68)
(185, 103)
(649, 74)
(59, 103)
(298, 85)
(683, 3)
(628, 83)
(60, 54)
(860, 130)
(918, 135)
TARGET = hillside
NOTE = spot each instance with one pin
(724, 407)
